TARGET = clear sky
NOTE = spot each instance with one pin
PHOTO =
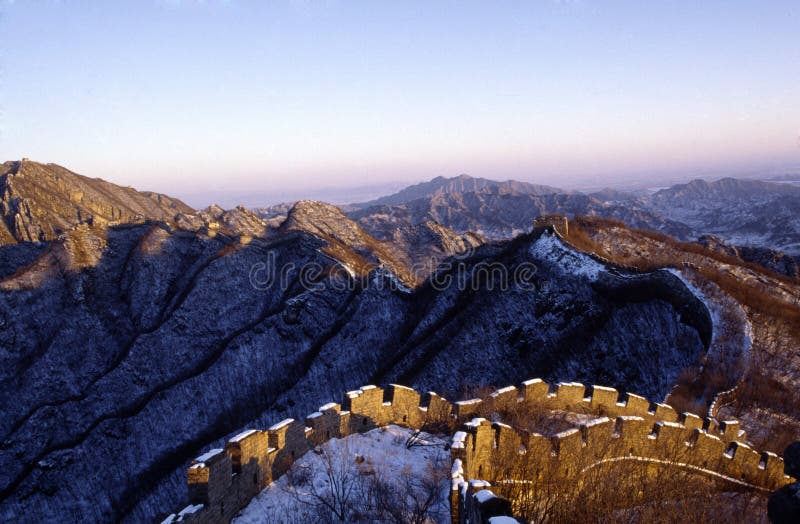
(251, 101)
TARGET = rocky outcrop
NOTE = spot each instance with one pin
(743, 212)
(774, 260)
(39, 202)
(410, 252)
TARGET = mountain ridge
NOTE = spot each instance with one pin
(458, 184)
(38, 202)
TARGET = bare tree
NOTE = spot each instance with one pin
(409, 498)
(337, 499)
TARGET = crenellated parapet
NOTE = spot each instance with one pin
(222, 481)
(625, 426)
(492, 450)
(537, 395)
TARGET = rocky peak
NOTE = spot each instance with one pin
(460, 184)
(39, 202)
(325, 220)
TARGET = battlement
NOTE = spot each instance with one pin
(536, 394)
(484, 449)
(222, 481)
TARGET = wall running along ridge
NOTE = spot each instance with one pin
(223, 481)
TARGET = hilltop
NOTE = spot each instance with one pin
(460, 184)
(39, 202)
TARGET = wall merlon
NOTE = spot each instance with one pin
(534, 391)
(330, 406)
(466, 409)
(403, 406)
(597, 430)
(507, 439)
(288, 437)
(636, 405)
(246, 446)
(569, 395)
(729, 429)
(707, 451)
(209, 477)
(366, 408)
(277, 433)
(604, 400)
(504, 399)
(671, 437)
(632, 432)
(773, 464)
(711, 425)
(745, 461)
(691, 421)
(537, 444)
(665, 412)
(439, 409)
(567, 444)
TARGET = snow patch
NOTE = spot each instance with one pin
(595, 422)
(281, 424)
(484, 495)
(474, 423)
(243, 435)
(188, 510)
(503, 390)
(549, 248)
(208, 455)
(458, 439)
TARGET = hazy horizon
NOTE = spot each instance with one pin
(242, 102)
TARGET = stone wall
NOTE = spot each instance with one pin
(536, 394)
(221, 482)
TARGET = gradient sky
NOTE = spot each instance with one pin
(251, 101)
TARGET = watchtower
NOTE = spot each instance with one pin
(557, 222)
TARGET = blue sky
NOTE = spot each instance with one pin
(267, 101)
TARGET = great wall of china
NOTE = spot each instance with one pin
(625, 428)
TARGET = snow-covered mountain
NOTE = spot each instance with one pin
(128, 347)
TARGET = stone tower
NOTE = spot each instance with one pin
(557, 222)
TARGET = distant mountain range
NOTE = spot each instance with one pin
(460, 184)
(38, 202)
(750, 213)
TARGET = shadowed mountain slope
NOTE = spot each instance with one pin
(130, 348)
